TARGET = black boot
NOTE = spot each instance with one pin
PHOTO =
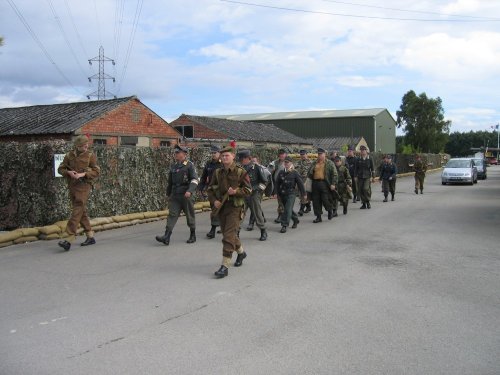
(308, 208)
(239, 259)
(363, 206)
(65, 245)
(221, 272)
(283, 229)
(192, 237)
(165, 239)
(330, 215)
(392, 197)
(278, 219)
(263, 235)
(301, 211)
(211, 234)
(250, 227)
(354, 199)
(318, 219)
(385, 198)
(421, 191)
(368, 205)
(416, 191)
(344, 211)
(295, 223)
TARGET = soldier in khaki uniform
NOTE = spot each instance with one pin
(227, 191)
(344, 185)
(420, 167)
(80, 169)
(302, 167)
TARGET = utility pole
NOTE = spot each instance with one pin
(101, 76)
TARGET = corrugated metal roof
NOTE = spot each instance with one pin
(247, 131)
(334, 143)
(305, 114)
(54, 118)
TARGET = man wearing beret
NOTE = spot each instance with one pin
(227, 191)
(365, 174)
(324, 180)
(302, 167)
(182, 183)
(206, 177)
(258, 182)
(80, 169)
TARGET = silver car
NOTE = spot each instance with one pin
(481, 168)
(459, 170)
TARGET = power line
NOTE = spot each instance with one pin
(59, 24)
(40, 44)
(118, 27)
(98, 23)
(75, 28)
(137, 14)
(356, 15)
(410, 11)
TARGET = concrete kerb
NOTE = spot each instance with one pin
(58, 229)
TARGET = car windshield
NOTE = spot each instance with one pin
(458, 164)
(478, 162)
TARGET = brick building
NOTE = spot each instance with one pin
(200, 130)
(124, 121)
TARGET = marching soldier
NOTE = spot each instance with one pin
(324, 179)
(227, 191)
(420, 167)
(289, 179)
(387, 174)
(302, 167)
(278, 165)
(343, 186)
(182, 183)
(258, 182)
(350, 163)
(80, 169)
(365, 174)
(206, 177)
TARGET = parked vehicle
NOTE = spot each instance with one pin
(459, 170)
(481, 168)
(492, 160)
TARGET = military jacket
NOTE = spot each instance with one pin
(277, 167)
(365, 168)
(420, 167)
(350, 163)
(80, 162)
(235, 177)
(331, 176)
(388, 170)
(287, 181)
(344, 182)
(208, 172)
(182, 177)
(302, 167)
(258, 179)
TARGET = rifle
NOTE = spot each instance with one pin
(215, 211)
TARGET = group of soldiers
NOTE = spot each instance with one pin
(233, 188)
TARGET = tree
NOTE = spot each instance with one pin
(460, 144)
(1, 41)
(422, 120)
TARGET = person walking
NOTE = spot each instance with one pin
(324, 179)
(79, 168)
(258, 182)
(387, 174)
(205, 179)
(420, 168)
(286, 183)
(365, 174)
(182, 183)
(278, 165)
(350, 163)
(302, 167)
(343, 186)
(227, 191)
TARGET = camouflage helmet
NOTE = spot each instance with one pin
(80, 140)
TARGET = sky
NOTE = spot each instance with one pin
(213, 57)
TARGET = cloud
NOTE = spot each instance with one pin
(360, 81)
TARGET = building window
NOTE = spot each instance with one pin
(128, 141)
(136, 115)
(165, 143)
(185, 130)
(99, 141)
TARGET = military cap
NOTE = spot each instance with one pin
(227, 149)
(321, 150)
(350, 148)
(281, 151)
(302, 152)
(289, 159)
(180, 149)
(244, 154)
(363, 147)
(81, 140)
(214, 148)
(337, 158)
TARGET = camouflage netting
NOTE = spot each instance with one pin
(132, 180)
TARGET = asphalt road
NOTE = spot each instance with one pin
(408, 287)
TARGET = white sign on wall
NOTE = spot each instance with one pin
(58, 159)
